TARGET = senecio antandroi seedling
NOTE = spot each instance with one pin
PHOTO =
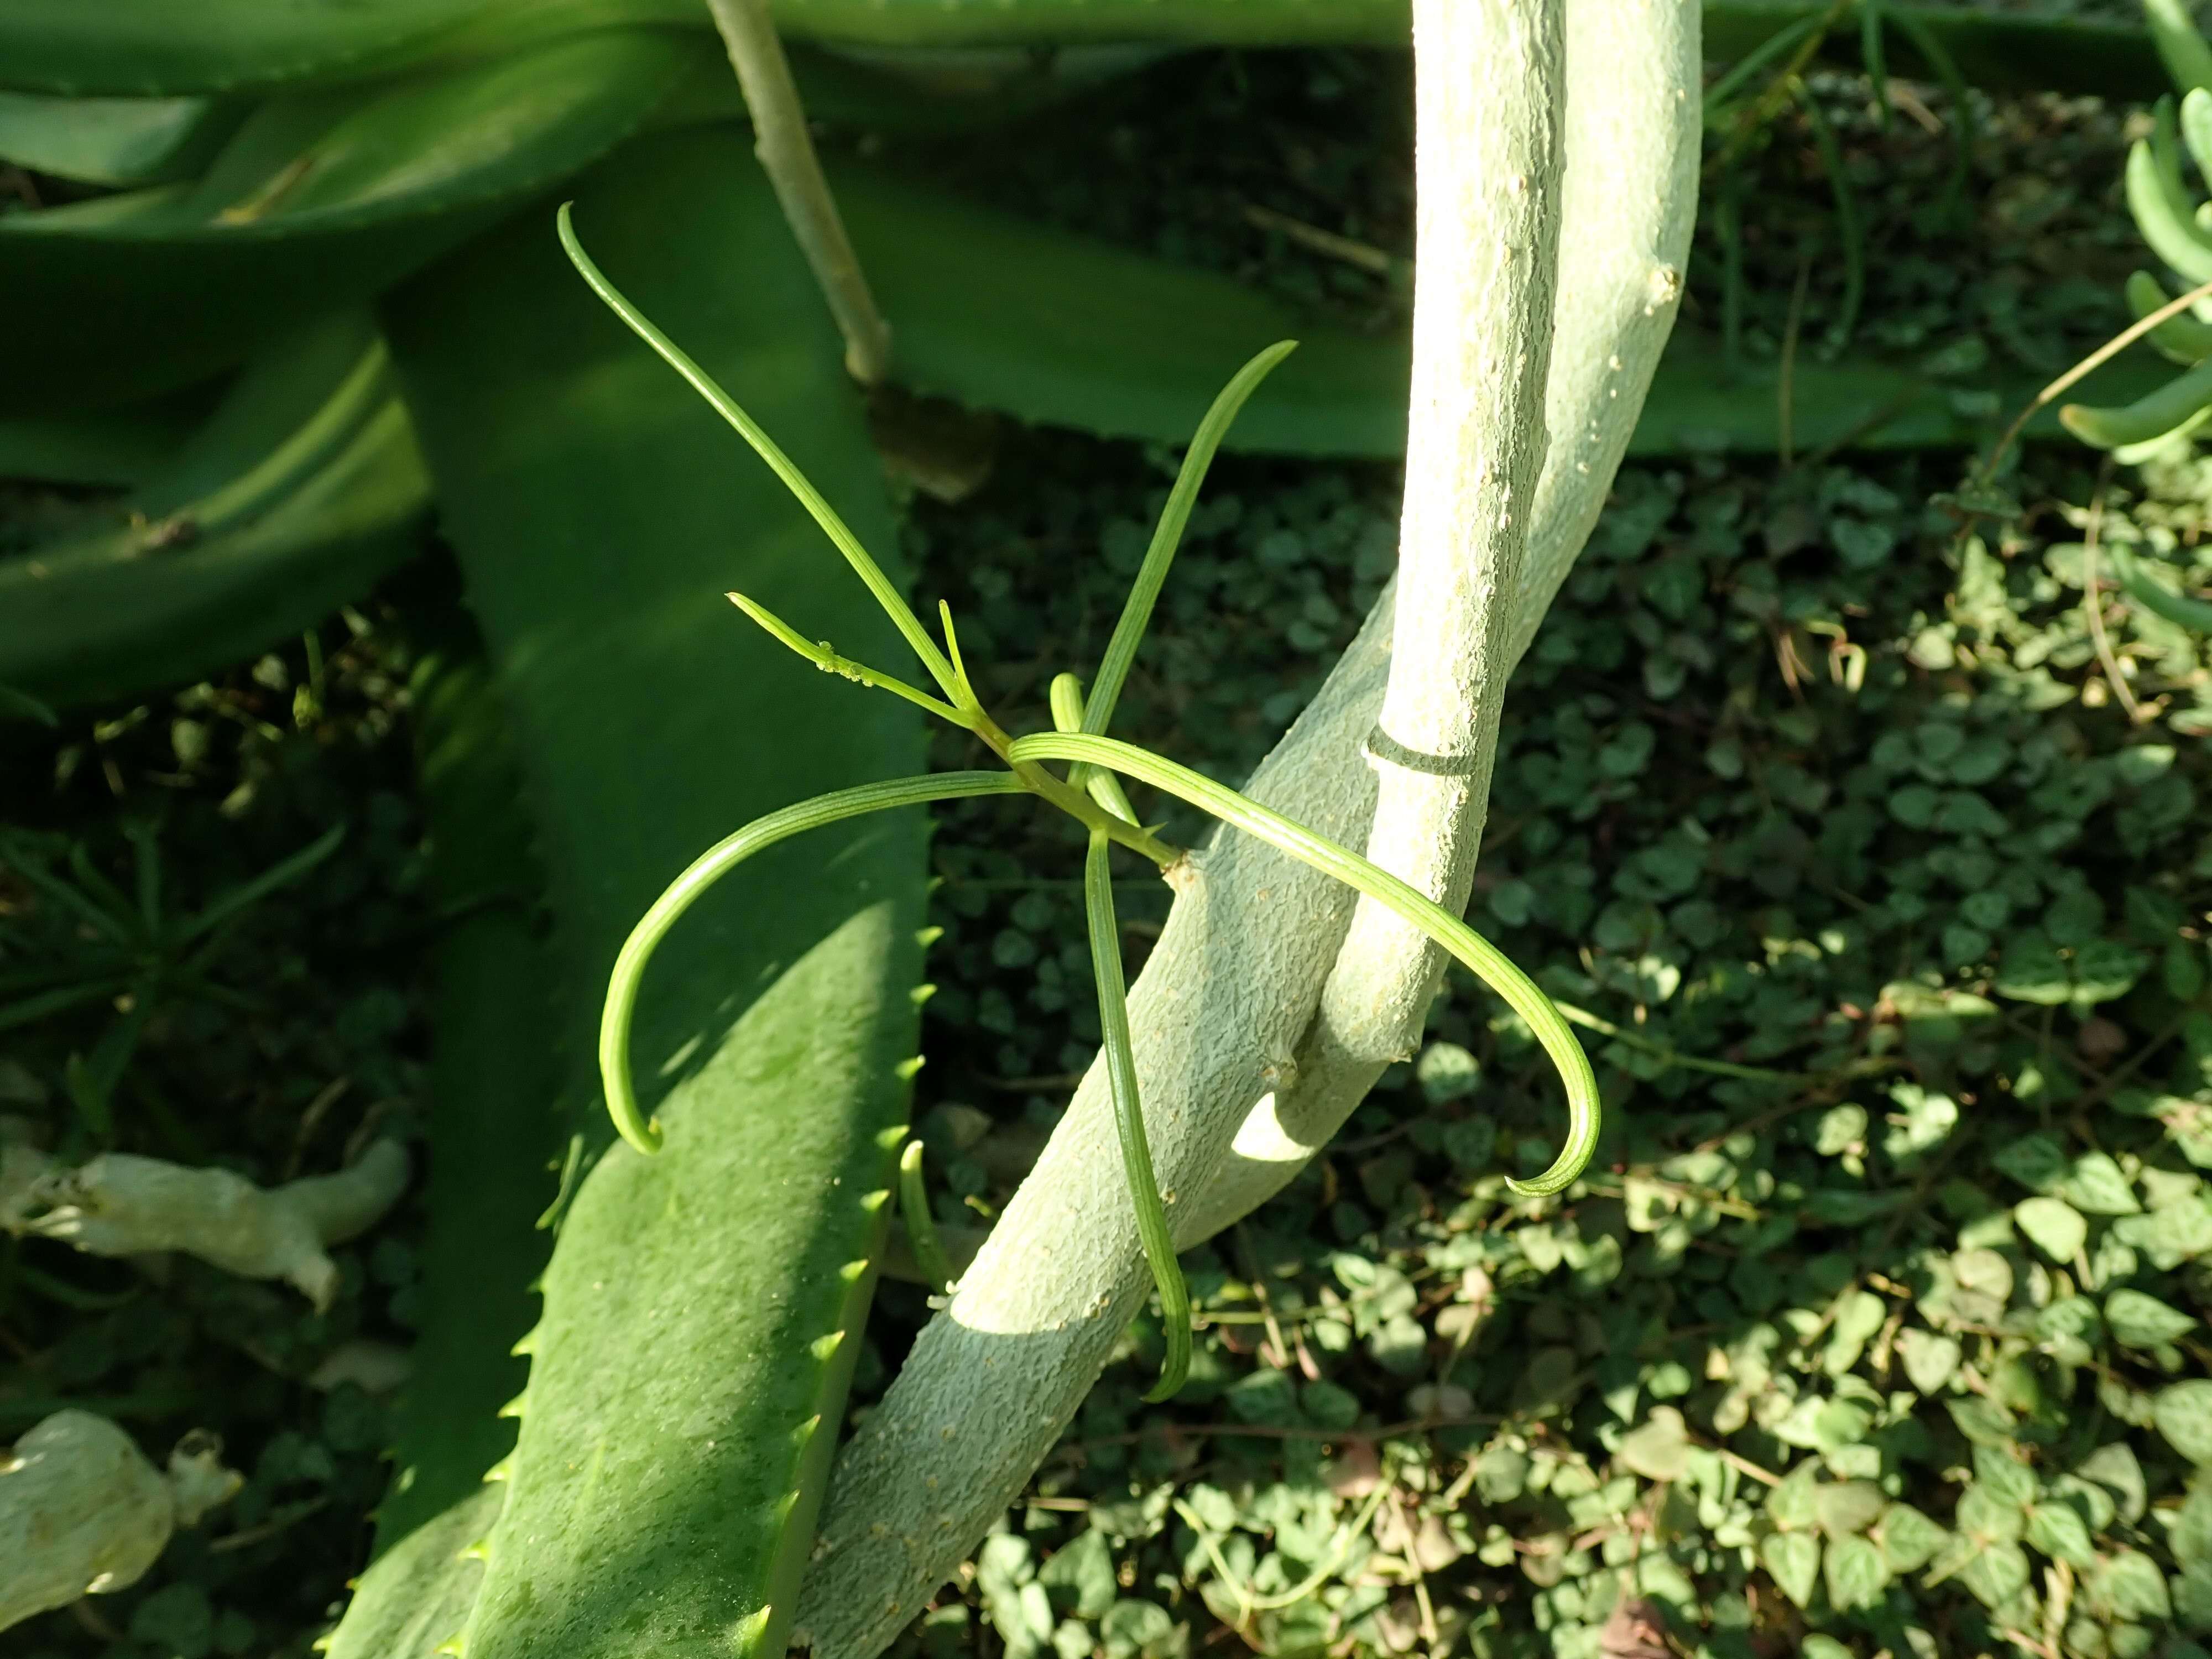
(1091, 792)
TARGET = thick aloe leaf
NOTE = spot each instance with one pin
(995, 311)
(702, 1314)
(1994, 53)
(1000, 313)
(154, 47)
(600, 511)
(123, 449)
(495, 1131)
(111, 141)
(1856, 402)
(302, 487)
(1048, 22)
(319, 199)
(416, 1598)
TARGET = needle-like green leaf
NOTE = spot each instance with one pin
(1129, 1118)
(709, 867)
(887, 595)
(1521, 994)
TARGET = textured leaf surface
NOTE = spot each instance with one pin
(989, 309)
(688, 1374)
(301, 489)
(415, 1599)
(993, 311)
(319, 199)
(600, 511)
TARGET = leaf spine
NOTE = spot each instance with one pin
(514, 1407)
(905, 1070)
(822, 1347)
(749, 1629)
(888, 1139)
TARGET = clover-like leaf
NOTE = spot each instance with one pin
(2183, 1413)
(1856, 1574)
(2137, 1319)
(2057, 1228)
(1794, 1561)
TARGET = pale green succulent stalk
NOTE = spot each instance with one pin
(1229, 988)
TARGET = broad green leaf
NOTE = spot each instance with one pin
(2169, 1236)
(1861, 1315)
(2058, 1530)
(2003, 1474)
(128, 48)
(2127, 1585)
(2114, 1467)
(495, 1134)
(1793, 1504)
(2055, 1227)
(600, 511)
(2038, 1161)
(1660, 1449)
(998, 313)
(2189, 1533)
(702, 1311)
(1930, 1361)
(1847, 1507)
(1997, 1573)
(1794, 1561)
(1856, 1574)
(116, 142)
(1081, 1575)
(2139, 1321)
(991, 310)
(2071, 1328)
(320, 200)
(2183, 1416)
(302, 489)
(1990, 1516)
(2104, 970)
(121, 448)
(1909, 1540)
(414, 1600)
(2096, 1185)
(2032, 971)
(1192, 22)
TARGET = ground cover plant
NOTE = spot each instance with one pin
(1892, 819)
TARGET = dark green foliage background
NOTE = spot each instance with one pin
(1798, 777)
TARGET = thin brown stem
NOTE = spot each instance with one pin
(2096, 359)
(787, 154)
(2092, 601)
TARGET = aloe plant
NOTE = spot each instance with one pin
(659, 1495)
